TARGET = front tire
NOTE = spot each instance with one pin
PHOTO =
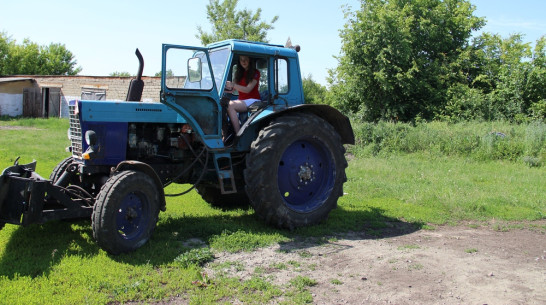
(60, 169)
(125, 212)
(295, 171)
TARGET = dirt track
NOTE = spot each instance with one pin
(448, 265)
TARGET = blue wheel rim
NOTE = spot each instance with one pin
(131, 218)
(306, 175)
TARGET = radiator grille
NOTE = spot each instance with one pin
(75, 132)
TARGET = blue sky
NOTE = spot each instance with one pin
(103, 35)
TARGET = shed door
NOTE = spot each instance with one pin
(52, 102)
(32, 102)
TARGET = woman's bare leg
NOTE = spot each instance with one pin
(233, 108)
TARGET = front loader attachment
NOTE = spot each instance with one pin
(27, 198)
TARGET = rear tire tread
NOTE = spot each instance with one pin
(261, 169)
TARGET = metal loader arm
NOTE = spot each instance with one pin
(24, 194)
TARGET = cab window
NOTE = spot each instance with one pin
(282, 76)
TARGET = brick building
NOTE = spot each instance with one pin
(48, 96)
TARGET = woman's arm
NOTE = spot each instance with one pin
(247, 88)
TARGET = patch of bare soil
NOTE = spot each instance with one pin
(447, 265)
(17, 127)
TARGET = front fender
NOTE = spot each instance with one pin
(147, 169)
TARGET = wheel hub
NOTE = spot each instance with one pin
(130, 218)
(306, 173)
(131, 213)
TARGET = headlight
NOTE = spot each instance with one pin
(90, 137)
(91, 140)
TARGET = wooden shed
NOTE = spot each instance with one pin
(48, 96)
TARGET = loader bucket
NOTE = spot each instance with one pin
(15, 191)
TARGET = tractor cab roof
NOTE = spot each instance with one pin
(252, 47)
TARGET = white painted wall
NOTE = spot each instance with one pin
(12, 104)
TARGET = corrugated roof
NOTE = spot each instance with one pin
(15, 79)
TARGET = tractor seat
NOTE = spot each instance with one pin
(263, 102)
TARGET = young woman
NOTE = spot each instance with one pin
(246, 82)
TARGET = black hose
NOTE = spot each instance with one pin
(73, 189)
(197, 158)
(198, 180)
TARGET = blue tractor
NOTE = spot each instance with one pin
(287, 160)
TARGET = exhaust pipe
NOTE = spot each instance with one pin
(137, 85)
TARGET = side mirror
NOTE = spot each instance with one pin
(194, 70)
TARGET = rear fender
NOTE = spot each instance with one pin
(339, 121)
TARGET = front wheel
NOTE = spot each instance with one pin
(295, 171)
(125, 212)
(59, 170)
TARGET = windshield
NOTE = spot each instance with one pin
(178, 61)
(218, 59)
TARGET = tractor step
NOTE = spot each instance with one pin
(224, 169)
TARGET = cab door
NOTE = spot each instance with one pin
(189, 84)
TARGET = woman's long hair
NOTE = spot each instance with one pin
(240, 71)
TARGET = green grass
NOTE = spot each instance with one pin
(439, 190)
(43, 140)
(61, 263)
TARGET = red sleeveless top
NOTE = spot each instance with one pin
(254, 93)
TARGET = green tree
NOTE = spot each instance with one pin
(5, 45)
(313, 92)
(400, 57)
(169, 73)
(120, 74)
(535, 89)
(502, 81)
(56, 59)
(507, 99)
(31, 59)
(228, 23)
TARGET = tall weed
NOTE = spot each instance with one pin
(477, 140)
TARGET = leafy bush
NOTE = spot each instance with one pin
(196, 256)
(465, 103)
(538, 110)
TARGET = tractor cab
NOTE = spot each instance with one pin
(194, 84)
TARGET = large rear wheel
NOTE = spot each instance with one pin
(295, 171)
(125, 212)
